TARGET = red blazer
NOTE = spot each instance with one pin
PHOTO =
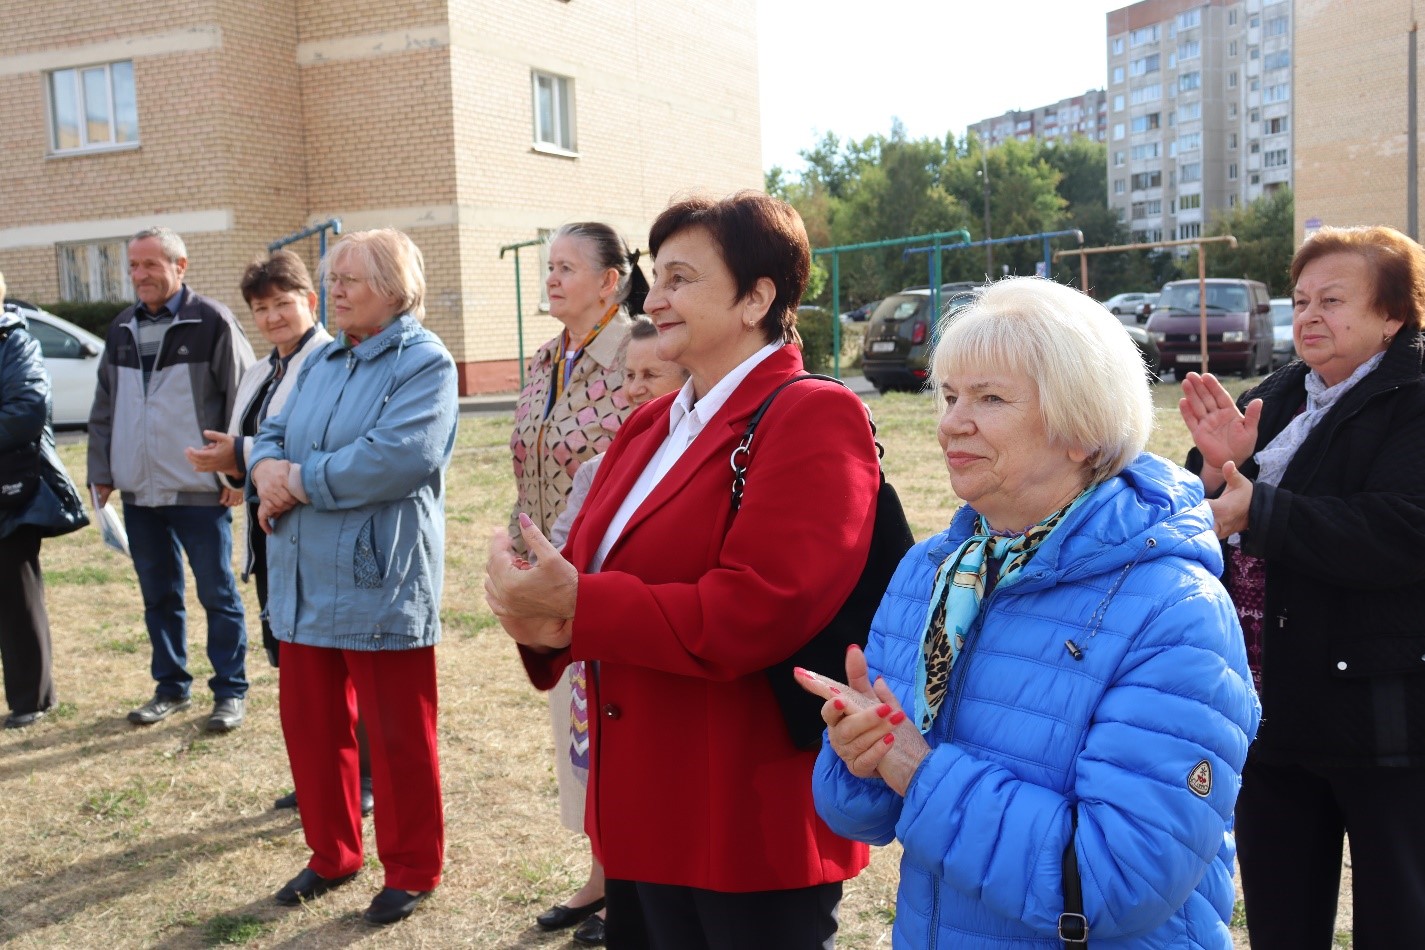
(693, 780)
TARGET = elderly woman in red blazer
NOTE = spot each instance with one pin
(699, 803)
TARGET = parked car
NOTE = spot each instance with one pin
(1120, 304)
(71, 355)
(1144, 310)
(860, 314)
(1283, 346)
(899, 337)
(1239, 326)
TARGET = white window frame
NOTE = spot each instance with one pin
(73, 76)
(81, 271)
(560, 139)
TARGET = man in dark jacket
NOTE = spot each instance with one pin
(171, 368)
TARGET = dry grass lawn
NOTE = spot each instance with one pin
(117, 836)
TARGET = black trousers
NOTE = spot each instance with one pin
(667, 917)
(257, 540)
(1290, 824)
(24, 624)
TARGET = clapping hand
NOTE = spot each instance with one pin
(533, 601)
(1220, 431)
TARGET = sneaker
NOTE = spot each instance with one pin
(226, 716)
(24, 720)
(158, 709)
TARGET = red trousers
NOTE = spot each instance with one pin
(320, 691)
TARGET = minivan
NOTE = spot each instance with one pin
(900, 335)
(1239, 326)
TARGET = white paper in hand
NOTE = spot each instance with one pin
(111, 526)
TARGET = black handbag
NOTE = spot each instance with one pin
(19, 475)
(826, 652)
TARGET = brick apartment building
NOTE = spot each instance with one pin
(1085, 115)
(471, 124)
(1200, 110)
(1351, 113)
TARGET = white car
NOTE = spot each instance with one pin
(1125, 304)
(72, 357)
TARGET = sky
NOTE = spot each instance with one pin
(937, 65)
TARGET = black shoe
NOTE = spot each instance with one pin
(558, 917)
(286, 801)
(226, 716)
(308, 885)
(393, 904)
(22, 720)
(158, 709)
(368, 801)
(591, 932)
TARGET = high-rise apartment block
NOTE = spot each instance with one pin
(1085, 115)
(1199, 110)
(470, 124)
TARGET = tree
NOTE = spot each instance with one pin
(1264, 230)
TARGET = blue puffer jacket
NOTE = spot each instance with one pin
(1027, 731)
(361, 567)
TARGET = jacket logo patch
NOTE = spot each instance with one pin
(183, 351)
(1199, 780)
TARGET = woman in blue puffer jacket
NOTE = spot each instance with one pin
(1054, 706)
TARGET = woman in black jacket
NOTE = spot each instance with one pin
(1319, 483)
(36, 510)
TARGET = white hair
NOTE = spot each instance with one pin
(1093, 387)
(168, 241)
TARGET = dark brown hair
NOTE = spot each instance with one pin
(279, 273)
(1396, 262)
(642, 329)
(758, 236)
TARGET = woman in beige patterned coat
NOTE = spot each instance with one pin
(571, 406)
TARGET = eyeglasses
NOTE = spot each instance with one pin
(347, 281)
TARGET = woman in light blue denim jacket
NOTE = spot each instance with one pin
(350, 482)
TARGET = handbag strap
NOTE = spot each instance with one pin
(1073, 925)
(743, 452)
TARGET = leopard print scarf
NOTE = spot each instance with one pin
(983, 561)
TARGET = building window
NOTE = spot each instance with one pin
(1118, 159)
(1118, 74)
(553, 111)
(1147, 180)
(1145, 123)
(1231, 17)
(1276, 158)
(1187, 81)
(1280, 92)
(1232, 110)
(1143, 66)
(1276, 26)
(1255, 147)
(90, 272)
(1232, 48)
(1232, 79)
(1189, 111)
(1118, 131)
(1189, 141)
(93, 107)
(1281, 59)
(1190, 19)
(1275, 126)
(1188, 231)
(1232, 172)
(1118, 103)
(1148, 209)
(1146, 94)
(1118, 186)
(1254, 53)
(1189, 49)
(1146, 151)
(1118, 46)
(1188, 202)
(1190, 172)
(1149, 34)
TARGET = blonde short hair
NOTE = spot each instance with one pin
(393, 262)
(1093, 387)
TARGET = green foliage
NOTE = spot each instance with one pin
(1264, 230)
(94, 316)
(225, 929)
(814, 324)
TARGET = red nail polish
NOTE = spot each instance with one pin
(883, 710)
(839, 704)
(897, 718)
(854, 646)
(890, 737)
(797, 670)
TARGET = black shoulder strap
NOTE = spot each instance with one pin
(1073, 925)
(742, 453)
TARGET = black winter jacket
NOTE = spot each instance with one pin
(1343, 535)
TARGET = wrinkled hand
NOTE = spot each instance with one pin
(269, 479)
(546, 589)
(1230, 509)
(1221, 433)
(866, 726)
(217, 456)
(103, 492)
(230, 497)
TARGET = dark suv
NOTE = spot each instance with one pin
(1239, 326)
(901, 334)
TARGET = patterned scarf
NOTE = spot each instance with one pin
(1277, 454)
(566, 358)
(984, 560)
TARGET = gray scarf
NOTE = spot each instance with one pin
(1277, 454)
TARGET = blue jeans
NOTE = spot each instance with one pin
(205, 534)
